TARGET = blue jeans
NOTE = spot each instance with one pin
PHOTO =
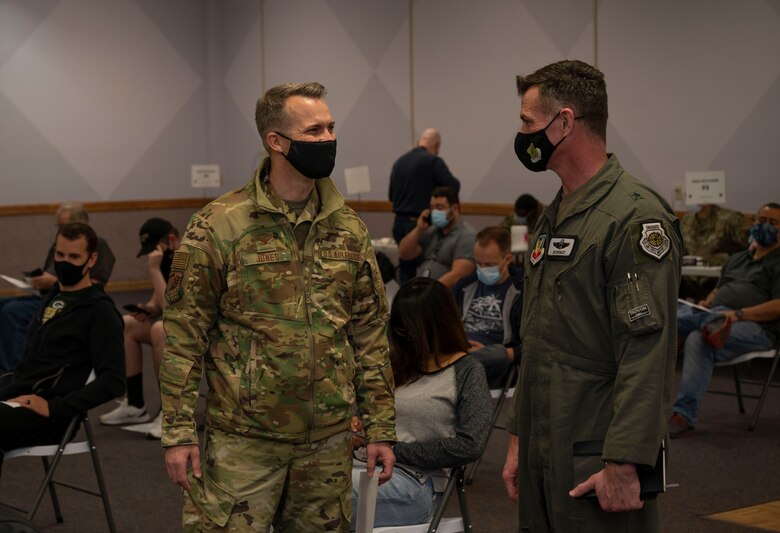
(700, 357)
(16, 314)
(403, 500)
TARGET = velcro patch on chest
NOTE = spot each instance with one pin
(259, 258)
(340, 254)
(538, 252)
(562, 247)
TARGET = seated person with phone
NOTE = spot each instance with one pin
(17, 313)
(143, 325)
(75, 331)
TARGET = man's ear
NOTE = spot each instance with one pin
(274, 141)
(92, 259)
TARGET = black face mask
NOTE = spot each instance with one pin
(165, 264)
(315, 160)
(68, 273)
(534, 150)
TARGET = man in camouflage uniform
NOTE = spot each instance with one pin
(713, 233)
(599, 319)
(275, 293)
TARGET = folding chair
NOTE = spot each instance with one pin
(507, 391)
(437, 523)
(55, 452)
(738, 381)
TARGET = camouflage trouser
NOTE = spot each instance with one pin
(249, 484)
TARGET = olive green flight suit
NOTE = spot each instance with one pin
(599, 347)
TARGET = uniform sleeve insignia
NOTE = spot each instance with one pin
(174, 290)
(538, 251)
(180, 260)
(654, 241)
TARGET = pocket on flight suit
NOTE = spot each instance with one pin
(215, 502)
(633, 305)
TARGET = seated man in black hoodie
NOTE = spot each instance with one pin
(76, 330)
(491, 304)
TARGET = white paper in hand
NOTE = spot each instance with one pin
(366, 502)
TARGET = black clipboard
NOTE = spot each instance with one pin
(587, 461)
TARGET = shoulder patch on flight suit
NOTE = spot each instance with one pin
(651, 239)
(562, 247)
(538, 251)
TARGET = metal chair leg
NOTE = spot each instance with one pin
(55, 502)
(739, 390)
(764, 392)
(99, 475)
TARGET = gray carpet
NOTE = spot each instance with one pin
(720, 467)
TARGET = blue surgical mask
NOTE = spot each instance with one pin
(519, 221)
(764, 234)
(439, 218)
(489, 275)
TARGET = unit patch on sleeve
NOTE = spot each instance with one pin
(538, 251)
(562, 247)
(654, 241)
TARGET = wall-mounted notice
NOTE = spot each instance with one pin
(204, 176)
(705, 187)
(358, 180)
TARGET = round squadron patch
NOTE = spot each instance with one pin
(654, 241)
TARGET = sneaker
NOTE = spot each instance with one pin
(155, 429)
(679, 426)
(125, 414)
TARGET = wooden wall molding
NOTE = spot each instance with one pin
(374, 206)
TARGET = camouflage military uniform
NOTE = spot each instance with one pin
(715, 239)
(287, 316)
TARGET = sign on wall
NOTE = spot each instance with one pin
(708, 187)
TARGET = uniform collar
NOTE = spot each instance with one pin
(330, 199)
(595, 189)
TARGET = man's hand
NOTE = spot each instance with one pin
(382, 452)
(43, 282)
(176, 459)
(154, 258)
(475, 345)
(617, 488)
(34, 403)
(358, 433)
(510, 469)
(422, 220)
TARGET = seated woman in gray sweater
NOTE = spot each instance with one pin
(442, 403)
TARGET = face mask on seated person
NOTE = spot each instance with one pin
(69, 274)
(489, 275)
(764, 234)
(439, 218)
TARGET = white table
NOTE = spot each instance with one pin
(704, 271)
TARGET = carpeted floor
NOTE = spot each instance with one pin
(720, 467)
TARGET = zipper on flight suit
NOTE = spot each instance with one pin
(565, 273)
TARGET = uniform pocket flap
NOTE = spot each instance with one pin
(213, 500)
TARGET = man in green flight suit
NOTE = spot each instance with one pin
(599, 318)
(276, 296)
